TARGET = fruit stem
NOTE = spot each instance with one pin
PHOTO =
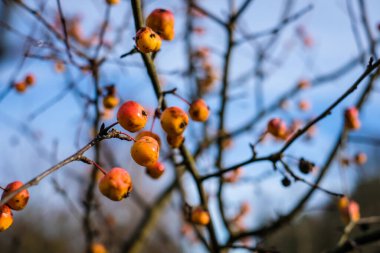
(184, 100)
(133, 139)
(99, 167)
(2, 188)
(154, 120)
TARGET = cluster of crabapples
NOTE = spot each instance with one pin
(28, 81)
(159, 26)
(117, 183)
(16, 203)
(278, 128)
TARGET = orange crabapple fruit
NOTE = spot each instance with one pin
(110, 101)
(20, 200)
(150, 134)
(132, 116)
(156, 170)
(6, 217)
(343, 204)
(30, 79)
(354, 211)
(199, 110)
(200, 217)
(360, 158)
(113, 2)
(351, 116)
(116, 184)
(162, 22)
(145, 151)
(98, 248)
(175, 141)
(20, 87)
(147, 41)
(277, 127)
(174, 120)
(303, 84)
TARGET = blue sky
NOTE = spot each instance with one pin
(327, 23)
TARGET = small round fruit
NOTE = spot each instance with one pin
(20, 200)
(351, 116)
(175, 141)
(360, 158)
(113, 2)
(6, 217)
(199, 110)
(116, 184)
(162, 22)
(156, 170)
(20, 87)
(132, 116)
(200, 216)
(147, 40)
(174, 120)
(354, 211)
(145, 151)
(150, 134)
(110, 101)
(30, 79)
(277, 127)
(98, 248)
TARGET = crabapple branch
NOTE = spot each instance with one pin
(113, 134)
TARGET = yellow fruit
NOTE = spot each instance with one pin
(6, 217)
(98, 248)
(147, 41)
(175, 141)
(110, 101)
(150, 134)
(174, 120)
(116, 184)
(199, 110)
(200, 216)
(145, 151)
(113, 2)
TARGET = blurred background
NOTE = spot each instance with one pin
(326, 45)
